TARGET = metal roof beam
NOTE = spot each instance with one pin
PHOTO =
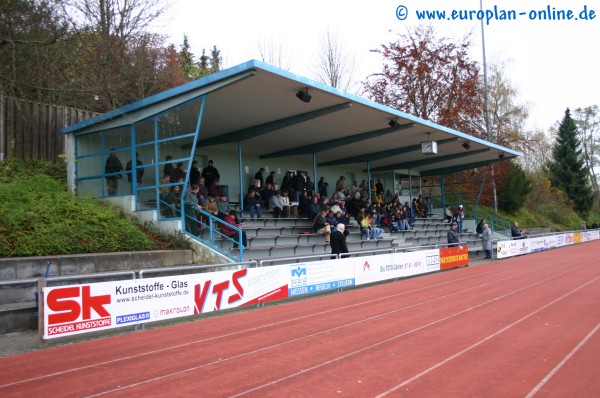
(462, 167)
(370, 157)
(430, 160)
(336, 143)
(255, 131)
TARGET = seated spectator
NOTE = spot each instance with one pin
(371, 232)
(304, 204)
(271, 178)
(202, 192)
(428, 205)
(223, 206)
(215, 188)
(448, 215)
(265, 194)
(276, 204)
(394, 223)
(230, 219)
(515, 232)
(315, 207)
(289, 210)
(321, 225)
(210, 206)
(253, 205)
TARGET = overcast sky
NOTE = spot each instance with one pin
(554, 64)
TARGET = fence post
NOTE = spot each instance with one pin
(40, 304)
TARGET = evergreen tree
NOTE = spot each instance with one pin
(567, 166)
(514, 191)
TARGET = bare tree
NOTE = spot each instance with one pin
(274, 53)
(335, 64)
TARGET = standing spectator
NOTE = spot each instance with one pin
(584, 226)
(595, 225)
(195, 173)
(210, 174)
(139, 171)
(230, 219)
(299, 185)
(271, 178)
(113, 165)
(178, 173)
(453, 238)
(459, 215)
(486, 241)
(192, 209)
(310, 186)
(338, 240)
(340, 185)
(379, 187)
(168, 168)
(259, 176)
(286, 183)
(322, 186)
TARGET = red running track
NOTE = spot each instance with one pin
(524, 327)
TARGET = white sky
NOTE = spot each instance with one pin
(553, 64)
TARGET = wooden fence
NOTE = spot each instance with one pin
(31, 130)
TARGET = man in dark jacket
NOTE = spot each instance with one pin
(338, 240)
(453, 238)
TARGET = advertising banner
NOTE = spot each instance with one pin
(320, 276)
(398, 265)
(78, 309)
(453, 257)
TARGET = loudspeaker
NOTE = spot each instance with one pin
(303, 96)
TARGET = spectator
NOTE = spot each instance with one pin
(223, 206)
(192, 209)
(584, 226)
(276, 204)
(173, 199)
(310, 186)
(271, 178)
(322, 186)
(315, 207)
(113, 165)
(340, 185)
(515, 232)
(289, 209)
(479, 228)
(338, 240)
(215, 188)
(230, 219)
(459, 216)
(486, 241)
(210, 174)
(428, 206)
(304, 204)
(286, 183)
(139, 171)
(253, 205)
(453, 238)
(195, 173)
(168, 168)
(369, 230)
(448, 214)
(259, 176)
(299, 185)
(595, 225)
(202, 191)
(379, 187)
(321, 225)
(265, 194)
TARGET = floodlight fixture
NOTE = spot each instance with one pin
(466, 145)
(303, 95)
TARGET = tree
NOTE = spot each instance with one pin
(588, 126)
(274, 53)
(567, 166)
(335, 65)
(514, 189)
(430, 77)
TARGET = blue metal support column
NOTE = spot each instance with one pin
(410, 196)
(369, 179)
(241, 179)
(443, 193)
(458, 185)
(315, 181)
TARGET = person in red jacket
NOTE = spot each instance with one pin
(232, 233)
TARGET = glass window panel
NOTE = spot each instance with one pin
(146, 153)
(148, 176)
(146, 199)
(89, 166)
(144, 131)
(173, 148)
(88, 144)
(92, 187)
(179, 121)
(117, 138)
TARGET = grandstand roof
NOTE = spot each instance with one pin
(256, 104)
